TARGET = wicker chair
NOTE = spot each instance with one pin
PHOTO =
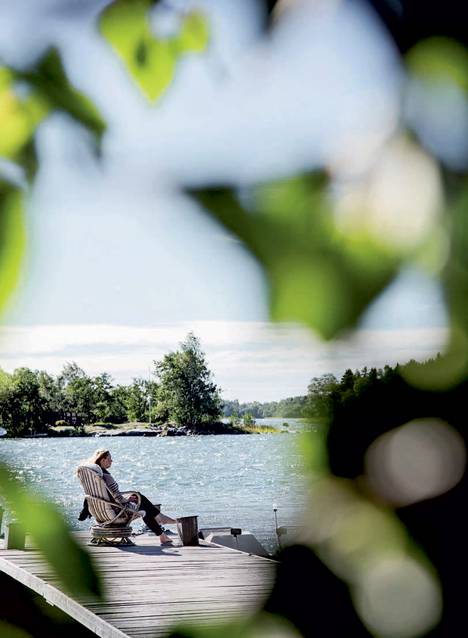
(112, 519)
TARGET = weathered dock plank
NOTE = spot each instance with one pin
(150, 588)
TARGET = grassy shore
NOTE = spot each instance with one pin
(260, 429)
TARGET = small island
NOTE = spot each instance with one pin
(180, 399)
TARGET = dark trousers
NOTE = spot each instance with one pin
(151, 511)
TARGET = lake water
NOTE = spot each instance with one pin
(228, 480)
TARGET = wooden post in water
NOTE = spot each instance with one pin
(187, 526)
(15, 536)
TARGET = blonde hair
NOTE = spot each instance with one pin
(98, 455)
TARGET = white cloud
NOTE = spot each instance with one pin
(250, 360)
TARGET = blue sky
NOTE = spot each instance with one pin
(121, 266)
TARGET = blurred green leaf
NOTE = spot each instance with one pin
(316, 274)
(151, 61)
(9, 631)
(439, 59)
(260, 625)
(19, 117)
(47, 89)
(444, 371)
(450, 368)
(49, 79)
(314, 452)
(193, 35)
(28, 160)
(12, 238)
(50, 535)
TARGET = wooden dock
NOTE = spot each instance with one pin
(150, 588)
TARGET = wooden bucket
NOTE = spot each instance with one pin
(187, 527)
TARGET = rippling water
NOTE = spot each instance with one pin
(228, 480)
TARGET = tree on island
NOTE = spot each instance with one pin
(22, 406)
(186, 392)
(318, 402)
(139, 395)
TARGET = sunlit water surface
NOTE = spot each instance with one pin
(228, 480)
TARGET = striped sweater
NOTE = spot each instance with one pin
(112, 486)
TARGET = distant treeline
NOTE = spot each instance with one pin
(292, 407)
(362, 391)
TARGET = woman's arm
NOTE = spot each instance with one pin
(113, 488)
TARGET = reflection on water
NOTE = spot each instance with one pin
(228, 480)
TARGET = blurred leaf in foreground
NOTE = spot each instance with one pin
(261, 625)
(50, 535)
(149, 59)
(26, 98)
(437, 99)
(49, 79)
(439, 59)
(317, 275)
(447, 370)
(19, 116)
(10, 631)
(438, 72)
(12, 238)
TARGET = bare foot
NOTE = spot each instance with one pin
(163, 539)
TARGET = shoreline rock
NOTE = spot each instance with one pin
(163, 431)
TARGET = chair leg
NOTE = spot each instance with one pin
(112, 542)
(128, 541)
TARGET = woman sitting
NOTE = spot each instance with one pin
(102, 460)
